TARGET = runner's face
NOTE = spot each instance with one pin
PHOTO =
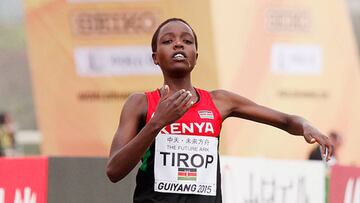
(176, 52)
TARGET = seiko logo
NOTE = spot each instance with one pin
(114, 22)
(288, 20)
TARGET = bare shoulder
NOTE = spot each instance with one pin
(229, 97)
(229, 102)
(222, 101)
(132, 115)
(219, 94)
(136, 103)
(137, 97)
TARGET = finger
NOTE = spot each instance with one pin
(184, 99)
(187, 106)
(181, 98)
(312, 141)
(323, 155)
(331, 150)
(309, 139)
(176, 95)
(327, 153)
(327, 149)
(164, 93)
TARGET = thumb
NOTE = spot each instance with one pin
(309, 139)
(165, 92)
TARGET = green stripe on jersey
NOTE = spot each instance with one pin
(145, 158)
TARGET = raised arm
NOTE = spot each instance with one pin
(233, 105)
(133, 136)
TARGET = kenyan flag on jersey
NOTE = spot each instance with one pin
(187, 174)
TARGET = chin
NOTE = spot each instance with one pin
(179, 71)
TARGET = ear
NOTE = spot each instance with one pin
(154, 57)
(197, 55)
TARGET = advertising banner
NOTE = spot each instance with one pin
(23, 180)
(344, 184)
(275, 181)
(281, 54)
(88, 56)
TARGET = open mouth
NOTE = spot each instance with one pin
(179, 56)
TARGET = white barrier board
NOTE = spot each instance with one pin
(246, 180)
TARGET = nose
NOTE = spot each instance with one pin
(178, 45)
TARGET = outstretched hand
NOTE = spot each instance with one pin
(171, 108)
(312, 135)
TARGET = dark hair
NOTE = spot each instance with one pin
(156, 33)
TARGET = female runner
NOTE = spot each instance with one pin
(175, 130)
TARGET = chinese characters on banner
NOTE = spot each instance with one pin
(273, 181)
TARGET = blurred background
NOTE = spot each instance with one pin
(67, 66)
(315, 28)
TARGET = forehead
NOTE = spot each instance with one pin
(175, 27)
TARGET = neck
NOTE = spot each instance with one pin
(177, 83)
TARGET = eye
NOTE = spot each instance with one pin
(166, 41)
(188, 41)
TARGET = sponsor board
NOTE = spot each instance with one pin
(115, 61)
(23, 180)
(278, 54)
(273, 181)
(288, 20)
(101, 48)
(106, 1)
(296, 59)
(114, 22)
(344, 184)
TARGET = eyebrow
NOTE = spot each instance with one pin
(182, 34)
